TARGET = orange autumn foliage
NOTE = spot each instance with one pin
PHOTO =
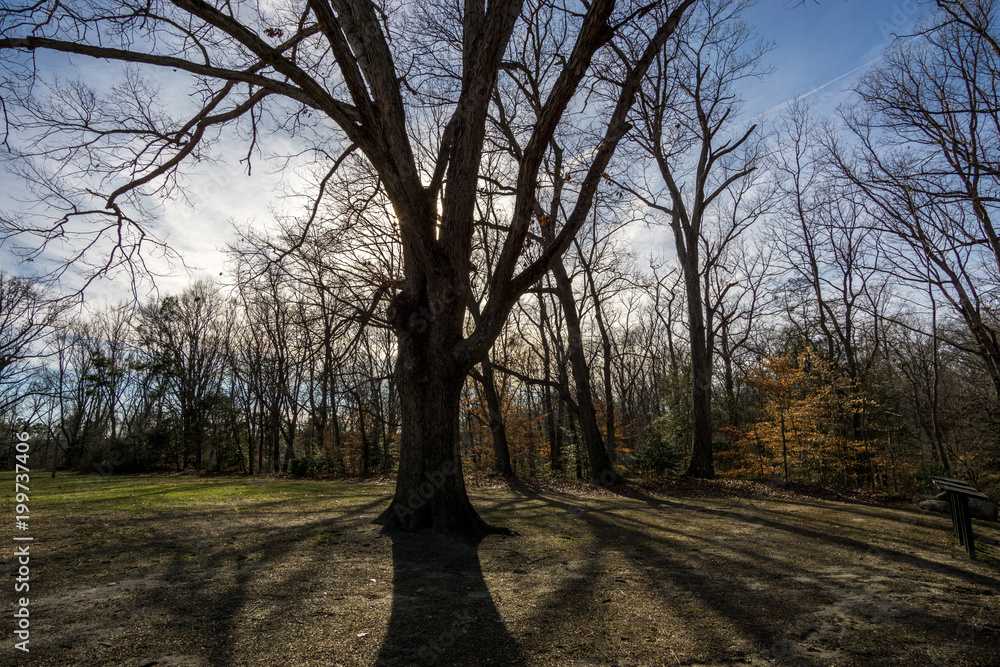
(804, 432)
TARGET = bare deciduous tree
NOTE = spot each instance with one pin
(928, 163)
(345, 61)
(27, 316)
(686, 113)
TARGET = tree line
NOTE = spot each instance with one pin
(465, 280)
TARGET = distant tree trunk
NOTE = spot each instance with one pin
(386, 435)
(732, 411)
(700, 464)
(198, 444)
(575, 439)
(601, 470)
(940, 450)
(338, 443)
(262, 444)
(784, 445)
(501, 451)
(250, 453)
(275, 439)
(609, 397)
(55, 455)
(552, 423)
(289, 448)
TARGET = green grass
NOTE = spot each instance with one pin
(110, 494)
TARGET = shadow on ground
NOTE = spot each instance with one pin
(442, 611)
(589, 581)
(773, 582)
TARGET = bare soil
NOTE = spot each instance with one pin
(696, 575)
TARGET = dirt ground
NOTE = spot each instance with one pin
(148, 576)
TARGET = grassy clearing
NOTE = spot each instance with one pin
(72, 492)
(187, 571)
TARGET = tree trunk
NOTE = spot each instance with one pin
(934, 394)
(701, 371)
(609, 395)
(784, 445)
(601, 470)
(365, 462)
(338, 442)
(430, 488)
(552, 424)
(250, 439)
(289, 449)
(262, 443)
(732, 411)
(55, 455)
(501, 451)
(553, 431)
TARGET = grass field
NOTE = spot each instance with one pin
(198, 571)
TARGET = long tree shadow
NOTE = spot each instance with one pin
(202, 574)
(777, 604)
(442, 611)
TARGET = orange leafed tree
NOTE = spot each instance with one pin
(804, 430)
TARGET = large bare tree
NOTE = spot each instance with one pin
(409, 85)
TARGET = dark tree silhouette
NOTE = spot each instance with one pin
(409, 86)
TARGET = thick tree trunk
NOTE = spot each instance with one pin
(430, 488)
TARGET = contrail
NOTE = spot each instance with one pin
(816, 90)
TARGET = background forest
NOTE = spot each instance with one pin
(828, 310)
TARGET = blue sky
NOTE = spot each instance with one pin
(820, 50)
(818, 43)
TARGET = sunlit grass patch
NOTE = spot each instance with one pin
(112, 493)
